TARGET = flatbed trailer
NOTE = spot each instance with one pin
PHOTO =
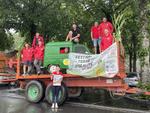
(39, 86)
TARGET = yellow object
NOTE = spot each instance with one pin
(66, 61)
(99, 72)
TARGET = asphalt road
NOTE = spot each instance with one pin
(14, 103)
(11, 104)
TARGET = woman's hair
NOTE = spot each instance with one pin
(57, 65)
(27, 43)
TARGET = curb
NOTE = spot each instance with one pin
(132, 99)
(122, 110)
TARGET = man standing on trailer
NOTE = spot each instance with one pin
(105, 25)
(95, 37)
(38, 56)
(36, 40)
(27, 56)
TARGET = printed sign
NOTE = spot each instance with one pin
(89, 66)
(57, 79)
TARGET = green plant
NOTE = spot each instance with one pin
(118, 21)
(145, 87)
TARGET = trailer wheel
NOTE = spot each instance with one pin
(62, 94)
(75, 92)
(116, 96)
(34, 91)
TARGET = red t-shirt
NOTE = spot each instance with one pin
(95, 32)
(27, 54)
(106, 41)
(103, 26)
(36, 39)
(39, 52)
(62, 51)
(57, 73)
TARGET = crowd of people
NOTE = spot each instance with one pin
(33, 54)
(101, 36)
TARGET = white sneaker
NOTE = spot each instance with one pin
(56, 105)
(53, 106)
(23, 74)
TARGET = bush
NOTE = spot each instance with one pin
(145, 87)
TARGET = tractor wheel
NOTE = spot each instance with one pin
(62, 94)
(117, 95)
(34, 91)
(75, 92)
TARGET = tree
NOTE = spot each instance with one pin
(53, 19)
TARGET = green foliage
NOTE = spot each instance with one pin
(18, 41)
(6, 41)
(145, 87)
(118, 23)
(53, 19)
(143, 52)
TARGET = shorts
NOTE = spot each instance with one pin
(28, 63)
(75, 41)
(96, 42)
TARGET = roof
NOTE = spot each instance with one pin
(59, 43)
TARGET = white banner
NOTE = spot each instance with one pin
(89, 66)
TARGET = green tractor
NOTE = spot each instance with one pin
(57, 53)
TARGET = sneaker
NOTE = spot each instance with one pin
(24, 74)
(53, 106)
(56, 105)
(39, 73)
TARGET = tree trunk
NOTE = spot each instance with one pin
(130, 61)
(149, 50)
(32, 31)
(134, 41)
(134, 61)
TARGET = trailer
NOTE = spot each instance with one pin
(38, 87)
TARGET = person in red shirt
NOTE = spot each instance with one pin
(36, 40)
(64, 50)
(38, 56)
(105, 25)
(107, 40)
(27, 55)
(57, 78)
(95, 36)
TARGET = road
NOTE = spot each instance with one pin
(14, 103)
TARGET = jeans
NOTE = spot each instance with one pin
(97, 42)
(55, 93)
(37, 64)
(27, 64)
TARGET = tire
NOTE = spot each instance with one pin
(34, 91)
(116, 97)
(14, 84)
(62, 94)
(74, 92)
